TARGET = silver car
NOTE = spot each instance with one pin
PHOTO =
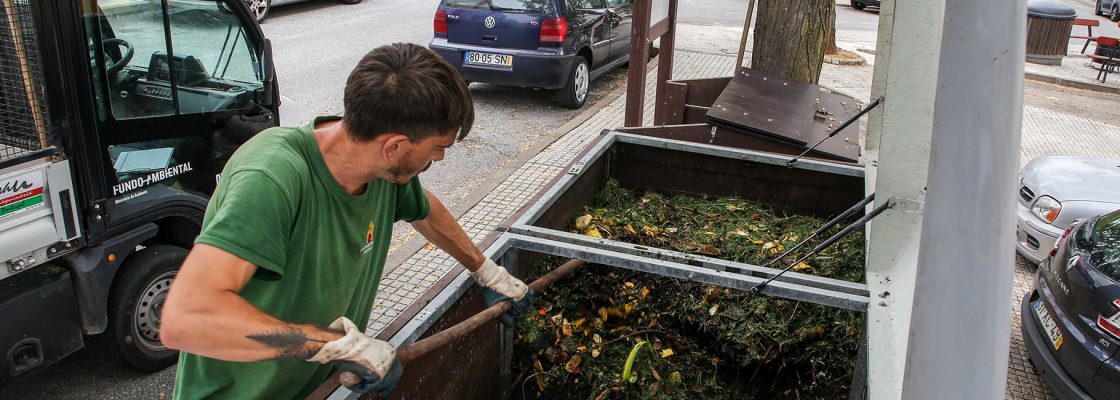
(260, 8)
(1055, 191)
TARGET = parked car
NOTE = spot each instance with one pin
(1071, 320)
(1110, 8)
(260, 8)
(1054, 191)
(861, 4)
(549, 44)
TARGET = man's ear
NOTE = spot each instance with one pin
(394, 145)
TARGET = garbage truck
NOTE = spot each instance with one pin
(116, 118)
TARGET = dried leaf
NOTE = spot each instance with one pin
(630, 229)
(741, 232)
(579, 323)
(768, 245)
(541, 385)
(734, 207)
(566, 329)
(629, 284)
(650, 230)
(801, 266)
(572, 366)
(713, 310)
(603, 313)
(653, 371)
(597, 339)
(671, 230)
(593, 233)
(595, 353)
(666, 353)
(583, 221)
(645, 292)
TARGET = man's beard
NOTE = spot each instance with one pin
(401, 173)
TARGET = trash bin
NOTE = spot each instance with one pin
(1049, 23)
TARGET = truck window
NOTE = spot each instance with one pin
(207, 66)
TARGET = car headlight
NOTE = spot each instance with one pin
(1047, 208)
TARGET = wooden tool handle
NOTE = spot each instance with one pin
(422, 347)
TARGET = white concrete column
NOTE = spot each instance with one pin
(960, 324)
(898, 143)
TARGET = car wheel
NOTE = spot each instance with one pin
(1097, 10)
(1115, 17)
(579, 81)
(349, 1)
(259, 8)
(136, 307)
(857, 5)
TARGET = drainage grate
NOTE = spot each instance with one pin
(23, 126)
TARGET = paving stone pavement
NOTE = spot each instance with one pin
(1044, 132)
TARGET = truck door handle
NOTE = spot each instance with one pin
(259, 117)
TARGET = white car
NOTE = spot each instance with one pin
(1055, 191)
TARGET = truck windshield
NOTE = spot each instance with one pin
(1104, 248)
(519, 6)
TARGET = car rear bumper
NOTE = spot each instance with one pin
(1044, 361)
(1033, 240)
(531, 68)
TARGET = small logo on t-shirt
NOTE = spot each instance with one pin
(369, 239)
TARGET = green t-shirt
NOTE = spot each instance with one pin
(319, 253)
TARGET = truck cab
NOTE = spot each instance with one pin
(116, 119)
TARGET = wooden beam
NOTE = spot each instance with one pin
(639, 56)
(665, 63)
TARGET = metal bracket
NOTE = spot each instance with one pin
(576, 169)
(905, 205)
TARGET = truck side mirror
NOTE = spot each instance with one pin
(268, 73)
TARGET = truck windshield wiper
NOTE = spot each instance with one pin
(500, 8)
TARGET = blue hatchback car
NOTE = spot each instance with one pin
(550, 44)
(1071, 321)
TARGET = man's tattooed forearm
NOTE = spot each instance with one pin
(289, 342)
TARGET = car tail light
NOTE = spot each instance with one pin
(1054, 250)
(440, 22)
(1111, 324)
(554, 30)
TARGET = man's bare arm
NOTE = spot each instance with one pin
(441, 228)
(204, 314)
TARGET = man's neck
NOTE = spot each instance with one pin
(347, 161)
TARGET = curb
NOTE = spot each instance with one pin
(1071, 83)
(413, 245)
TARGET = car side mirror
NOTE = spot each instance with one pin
(267, 93)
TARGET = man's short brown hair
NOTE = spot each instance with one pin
(407, 89)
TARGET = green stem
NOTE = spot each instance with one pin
(626, 377)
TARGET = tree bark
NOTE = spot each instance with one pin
(791, 37)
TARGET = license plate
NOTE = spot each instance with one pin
(501, 60)
(1048, 324)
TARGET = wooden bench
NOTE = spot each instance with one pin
(1088, 24)
(1107, 56)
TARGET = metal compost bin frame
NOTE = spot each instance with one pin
(541, 227)
(482, 360)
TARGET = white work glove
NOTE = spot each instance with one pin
(498, 285)
(374, 361)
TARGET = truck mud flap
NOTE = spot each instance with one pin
(40, 321)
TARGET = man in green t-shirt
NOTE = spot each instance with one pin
(284, 272)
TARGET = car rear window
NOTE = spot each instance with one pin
(518, 6)
(1104, 250)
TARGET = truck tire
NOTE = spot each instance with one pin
(579, 85)
(135, 306)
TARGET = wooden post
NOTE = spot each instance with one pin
(665, 66)
(743, 40)
(639, 56)
(25, 69)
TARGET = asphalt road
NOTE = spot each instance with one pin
(316, 43)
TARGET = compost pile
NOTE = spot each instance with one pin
(610, 333)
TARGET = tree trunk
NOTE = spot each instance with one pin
(791, 37)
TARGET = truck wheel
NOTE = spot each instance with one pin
(1097, 10)
(579, 81)
(136, 306)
